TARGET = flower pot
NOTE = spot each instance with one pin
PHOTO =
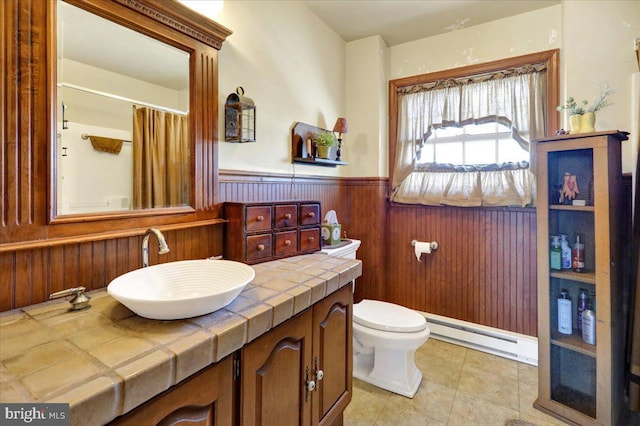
(588, 122)
(322, 151)
(575, 123)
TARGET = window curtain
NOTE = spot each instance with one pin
(160, 158)
(514, 97)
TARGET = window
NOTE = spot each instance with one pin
(462, 137)
(472, 144)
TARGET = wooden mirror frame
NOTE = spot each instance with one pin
(176, 25)
(27, 218)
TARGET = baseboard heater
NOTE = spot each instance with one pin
(498, 342)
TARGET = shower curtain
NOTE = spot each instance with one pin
(160, 159)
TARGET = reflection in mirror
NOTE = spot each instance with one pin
(122, 106)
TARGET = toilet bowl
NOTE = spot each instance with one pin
(385, 338)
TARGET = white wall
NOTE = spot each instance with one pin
(90, 180)
(365, 146)
(297, 69)
(293, 66)
(597, 47)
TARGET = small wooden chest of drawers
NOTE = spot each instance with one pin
(259, 232)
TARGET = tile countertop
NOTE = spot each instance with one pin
(106, 360)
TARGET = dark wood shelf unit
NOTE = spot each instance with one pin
(581, 383)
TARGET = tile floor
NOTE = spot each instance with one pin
(460, 386)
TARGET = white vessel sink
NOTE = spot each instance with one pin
(183, 289)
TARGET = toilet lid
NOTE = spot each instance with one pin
(387, 317)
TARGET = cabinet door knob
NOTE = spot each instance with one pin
(311, 214)
(311, 386)
(287, 216)
(287, 242)
(260, 247)
(319, 373)
(260, 218)
(311, 239)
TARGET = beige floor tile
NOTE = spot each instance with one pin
(441, 349)
(366, 405)
(441, 370)
(527, 374)
(490, 387)
(432, 400)
(528, 394)
(406, 415)
(482, 362)
(472, 411)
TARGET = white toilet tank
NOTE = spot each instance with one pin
(346, 248)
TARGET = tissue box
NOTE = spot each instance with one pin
(331, 233)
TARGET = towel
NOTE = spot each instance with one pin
(106, 144)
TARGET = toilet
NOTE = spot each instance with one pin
(385, 339)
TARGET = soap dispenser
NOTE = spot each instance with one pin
(564, 313)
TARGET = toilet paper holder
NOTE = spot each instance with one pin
(434, 244)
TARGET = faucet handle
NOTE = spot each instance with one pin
(79, 301)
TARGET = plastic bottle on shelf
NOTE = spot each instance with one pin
(555, 253)
(578, 254)
(564, 313)
(589, 324)
(582, 305)
(566, 252)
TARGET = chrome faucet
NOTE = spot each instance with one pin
(163, 248)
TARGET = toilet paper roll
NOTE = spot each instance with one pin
(421, 247)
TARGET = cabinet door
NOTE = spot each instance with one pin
(274, 371)
(205, 398)
(332, 352)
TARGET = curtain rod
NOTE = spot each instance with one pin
(121, 98)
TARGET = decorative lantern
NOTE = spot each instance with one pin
(240, 118)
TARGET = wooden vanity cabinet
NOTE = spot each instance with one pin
(300, 372)
(260, 232)
(205, 398)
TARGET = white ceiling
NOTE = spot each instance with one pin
(400, 21)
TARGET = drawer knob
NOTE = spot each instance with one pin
(311, 239)
(287, 216)
(287, 242)
(260, 247)
(260, 218)
(311, 214)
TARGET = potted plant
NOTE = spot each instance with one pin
(323, 140)
(582, 118)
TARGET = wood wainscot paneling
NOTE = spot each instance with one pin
(359, 203)
(28, 276)
(484, 270)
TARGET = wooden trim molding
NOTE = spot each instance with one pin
(103, 236)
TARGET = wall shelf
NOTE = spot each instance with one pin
(320, 162)
(299, 153)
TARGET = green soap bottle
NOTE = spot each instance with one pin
(556, 253)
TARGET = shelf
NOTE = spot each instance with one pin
(572, 342)
(568, 207)
(301, 133)
(320, 162)
(583, 277)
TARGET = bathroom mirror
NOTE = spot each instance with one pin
(123, 139)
